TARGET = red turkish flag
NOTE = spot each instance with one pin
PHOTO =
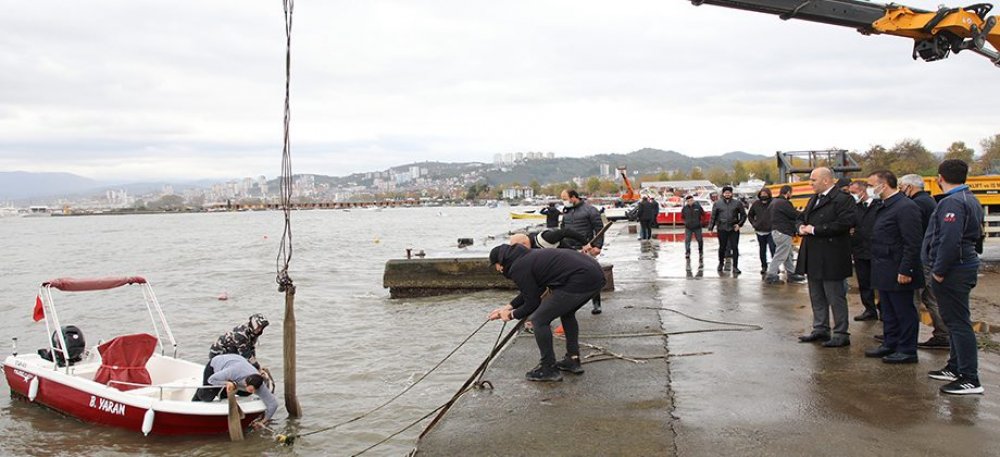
(39, 309)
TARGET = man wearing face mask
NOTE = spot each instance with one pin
(783, 216)
(760, 218)
(729, 216)
(825, 257)
(861, 247)
(581, 217)
(572, 279)
(896, 270)
(913, 187)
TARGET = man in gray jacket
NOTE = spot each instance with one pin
(729, 215)
(235, 373)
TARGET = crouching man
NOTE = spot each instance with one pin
(572, 279)
(237, 375)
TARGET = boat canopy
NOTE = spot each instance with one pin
(85, 284)
(123, 361)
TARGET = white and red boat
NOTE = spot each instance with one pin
(128, 381)
(670, 211)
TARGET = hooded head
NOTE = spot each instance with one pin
(764, 195)
(505, 255)
(257, 323)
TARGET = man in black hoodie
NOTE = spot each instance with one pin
(572, 279)
(692, 213)
(729, 215)
(760, 218)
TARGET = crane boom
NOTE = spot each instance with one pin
(936, 34)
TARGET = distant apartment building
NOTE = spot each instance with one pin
(518, 193)
(605, 169)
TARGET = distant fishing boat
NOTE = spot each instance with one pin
(128, 382)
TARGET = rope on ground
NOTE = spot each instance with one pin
(468, 382)
(289, 439)
(736, 324)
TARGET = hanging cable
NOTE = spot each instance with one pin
(285, 250)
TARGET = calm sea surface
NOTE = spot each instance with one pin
(356, 347)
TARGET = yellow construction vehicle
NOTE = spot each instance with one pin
(936, 34)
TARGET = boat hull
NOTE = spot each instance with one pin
(99, 404)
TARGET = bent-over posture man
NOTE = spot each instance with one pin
(548, 238)
(572, 279)
(235, 373)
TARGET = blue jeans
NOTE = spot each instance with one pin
(953, 302)
(645, 230)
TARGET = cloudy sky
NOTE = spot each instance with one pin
(128, 90)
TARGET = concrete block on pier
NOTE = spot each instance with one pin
(407, 278)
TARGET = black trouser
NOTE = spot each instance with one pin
(729, 242)
(563, 305)
(953, 302)
(863, 267)
(900, 321)
(207, 393)
(765, 242)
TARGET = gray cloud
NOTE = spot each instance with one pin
(143, 88)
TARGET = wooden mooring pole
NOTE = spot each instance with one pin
(291, 398)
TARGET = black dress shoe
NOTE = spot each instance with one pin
(934, 342)
(720, 267)
(815, 336)
(867, 315)
(880, 351)
(838, 342)
(736, 271)
(899, 357)
(879, 337)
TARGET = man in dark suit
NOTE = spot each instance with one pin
(825, 257)
(861, 247)
(896, 269)
(913, 186)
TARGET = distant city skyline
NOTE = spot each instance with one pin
(195, 89)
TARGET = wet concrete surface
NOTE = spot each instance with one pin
(731, 393)
(762, 393)
(615, 408)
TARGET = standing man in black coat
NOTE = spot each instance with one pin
(783, 219)
(581, 217)
(913, 187)
(760, 218)
(861, 247)
(692, 213)
(642, 215)
(551, 215)
(896, 270)
(729, 215)
(825, 257)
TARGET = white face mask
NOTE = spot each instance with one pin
(568, 204)
(857, 198)
(872, 195)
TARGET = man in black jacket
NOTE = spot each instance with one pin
(643, 210)
(913, 186)
(861, 248)
(581, 217)
(825, 257)
(783, 218)
(760, 219)
(729, 215)
(551, 215)
(692, 213)
(896, 270)
(572, 279)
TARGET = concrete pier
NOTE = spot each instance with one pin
(728, 393)
(406, 278)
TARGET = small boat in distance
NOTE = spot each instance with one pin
(129, 381)
(37, 211)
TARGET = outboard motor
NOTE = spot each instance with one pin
(75, 346)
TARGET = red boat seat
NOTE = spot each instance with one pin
(124, 359)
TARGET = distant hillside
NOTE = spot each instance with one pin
(644, 162)
(15, 185)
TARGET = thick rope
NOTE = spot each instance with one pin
(400, 394)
